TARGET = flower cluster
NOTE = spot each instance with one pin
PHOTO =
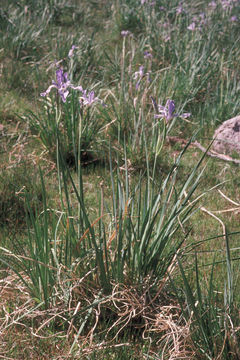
(198, 22)
(180, 9)
(62, 84)
(227, 4)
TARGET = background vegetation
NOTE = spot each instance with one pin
(119, 237)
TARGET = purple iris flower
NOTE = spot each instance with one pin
(198, 22)
(213, 4)
(226, 4)
(147, 55)
(234, 18)
(62, 84)
(89, 99)
(125, 33)
(192, 26)
(168, 111)
(71, 51)
(180, 9)
(202, 19)
(138, 75)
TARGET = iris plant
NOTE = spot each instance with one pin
(62, 84)
(168, 111)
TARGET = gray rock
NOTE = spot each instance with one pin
(227, 137)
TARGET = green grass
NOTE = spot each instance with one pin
(112, 235)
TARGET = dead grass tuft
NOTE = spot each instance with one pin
(86, 321)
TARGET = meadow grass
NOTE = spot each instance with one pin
(119, 238)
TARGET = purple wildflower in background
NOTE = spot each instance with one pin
(234, 18)
(229, 4)
(197, 22)
(202, 19)
(89, 99)
(125, 33)
(166, 25)
(192, 26)
(168, 111)
(152, 3)
(226, 4)
(138, 75)
(213, 4)
(147, 55)
(180, 9)
(62, 84)
(71, 51)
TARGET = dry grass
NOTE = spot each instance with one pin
(87, 315)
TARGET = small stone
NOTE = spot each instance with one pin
(227, 137)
